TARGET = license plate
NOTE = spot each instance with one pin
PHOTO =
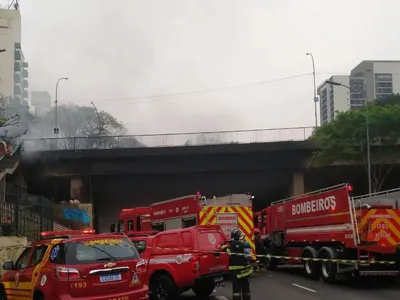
(218, 279)
(110, 278)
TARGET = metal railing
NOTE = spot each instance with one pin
(19, 218)
(170, 140)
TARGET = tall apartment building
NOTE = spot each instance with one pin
(13, 66)
(373, 80)
(41, 100)
(333, 98)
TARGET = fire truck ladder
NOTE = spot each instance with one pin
(327, 189)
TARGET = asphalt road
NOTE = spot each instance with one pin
(290, 283)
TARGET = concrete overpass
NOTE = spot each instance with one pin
(137, 170)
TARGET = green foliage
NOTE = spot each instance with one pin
(344, 140)
(392, 99)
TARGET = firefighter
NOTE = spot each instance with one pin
(239, 266)
(260, 250)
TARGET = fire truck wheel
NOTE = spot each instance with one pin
(328, 269)
(204, 289)
(162, 287)
(311, 268)
(3, 295)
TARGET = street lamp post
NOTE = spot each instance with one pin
(56, 130)
(315, 90)
(367, 133)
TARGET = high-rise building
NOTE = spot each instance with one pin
(13, 66)
(333, 98)
(374, 80)
(41, 100)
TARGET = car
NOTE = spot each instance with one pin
(77, 265)
(182, 259)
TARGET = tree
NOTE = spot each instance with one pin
(15, 118)
(81, 127)
(344, 140)
(392, 99)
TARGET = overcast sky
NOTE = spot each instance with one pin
(114, 51)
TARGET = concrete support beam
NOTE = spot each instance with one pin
(298, 183)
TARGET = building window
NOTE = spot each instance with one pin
(383, 77)
(383, 86)
(332, 106)
(324, 106)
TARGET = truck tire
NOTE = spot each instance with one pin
(204, 289)
(162, 287)
(311, 268)
(328, 268)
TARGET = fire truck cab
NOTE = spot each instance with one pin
(133, 220)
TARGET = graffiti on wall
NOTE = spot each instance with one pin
(74, 216)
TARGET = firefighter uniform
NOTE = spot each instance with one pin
(239, 266)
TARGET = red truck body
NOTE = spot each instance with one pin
(331, 224)
(229, 212)
(183, 259)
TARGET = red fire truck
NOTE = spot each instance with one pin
(134, 221)
(330, 224)
(229, 212)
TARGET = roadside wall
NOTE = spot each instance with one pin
(10, 248)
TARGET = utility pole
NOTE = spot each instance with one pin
(315, 90)
(56, 130)
(367, 131)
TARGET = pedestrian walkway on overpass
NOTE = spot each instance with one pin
(297, 134)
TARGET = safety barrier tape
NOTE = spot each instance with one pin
(269, 256)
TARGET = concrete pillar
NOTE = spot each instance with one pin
(298, 183)
(76, 189)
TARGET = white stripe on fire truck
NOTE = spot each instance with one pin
(171, 260)
(324, 228)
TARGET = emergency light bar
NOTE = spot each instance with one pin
(127, 209)
(66, 232)
(349, 188)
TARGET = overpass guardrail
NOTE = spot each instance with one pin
(170, 140)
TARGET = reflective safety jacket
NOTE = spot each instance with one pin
(238, 264)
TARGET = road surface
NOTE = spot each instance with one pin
(288, 284)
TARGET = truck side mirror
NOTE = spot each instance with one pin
(8, 265)
(140, 246)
